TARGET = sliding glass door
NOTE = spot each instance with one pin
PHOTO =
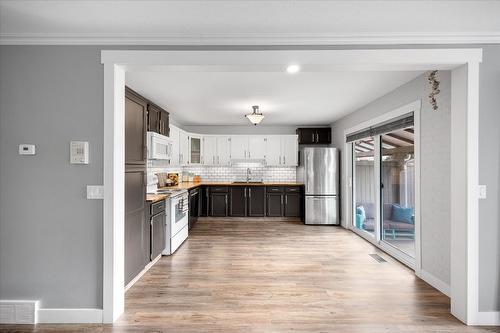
(384, 186)
(364, 189)
(397, 175)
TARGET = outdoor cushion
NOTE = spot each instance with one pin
(401, 214)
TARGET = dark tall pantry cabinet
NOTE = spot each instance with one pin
(136, 227)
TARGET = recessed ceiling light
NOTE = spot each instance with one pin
(293, 69)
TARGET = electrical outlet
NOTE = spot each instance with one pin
(95, 192)
(482, 191)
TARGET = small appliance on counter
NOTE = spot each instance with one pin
(167, 179)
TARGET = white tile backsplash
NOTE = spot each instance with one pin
(237, 171)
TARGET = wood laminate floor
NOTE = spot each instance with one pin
(271, 276)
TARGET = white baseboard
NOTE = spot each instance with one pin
(60, 316)
(148, 266)
(434, 281)
(487, 318)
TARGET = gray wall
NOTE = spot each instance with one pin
(50, 235)
(489, 174)
(435, 163)
(52, 250)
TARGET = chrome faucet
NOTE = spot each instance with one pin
(249, 175)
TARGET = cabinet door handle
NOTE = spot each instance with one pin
(317, 137)
(312, 137)
(284, 161)
(279, 160)
(286, 200)
(250, 193)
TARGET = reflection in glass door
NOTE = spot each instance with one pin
(397, 175)
(364, 189)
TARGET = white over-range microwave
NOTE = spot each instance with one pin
(159, 146)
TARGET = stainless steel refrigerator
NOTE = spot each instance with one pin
(319, 171)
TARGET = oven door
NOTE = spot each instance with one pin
(179, 213)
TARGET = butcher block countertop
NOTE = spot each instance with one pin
(191, 185)
(156, 197)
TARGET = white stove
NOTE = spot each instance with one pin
(176, 231)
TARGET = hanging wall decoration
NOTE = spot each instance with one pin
(433, 80)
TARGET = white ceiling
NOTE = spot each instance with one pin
(247, 22)
(223, 98)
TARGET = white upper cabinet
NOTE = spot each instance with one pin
(209, 150)
(195, 149)
(223, 150)
(183, 148)
(256, 147)
(282, 150)
(239, 147)
(290, 150)
(273, 150)
(174, 136)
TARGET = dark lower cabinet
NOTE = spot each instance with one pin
(256, 201)
(284, 201)
(136, 226)
(194, 206)
(237, 202)
(292, 205)
(204, 201)
(157, 234)
(251, 201)
(274, 204)
(218, 204)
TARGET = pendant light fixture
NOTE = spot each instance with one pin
(255, 117)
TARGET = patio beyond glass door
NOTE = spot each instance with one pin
(384, 186)
(364, 185)
(397, 176)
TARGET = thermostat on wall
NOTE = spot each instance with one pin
(25, 149)
(79, 152)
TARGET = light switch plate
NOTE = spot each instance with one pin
(95, 192)
(482, 191)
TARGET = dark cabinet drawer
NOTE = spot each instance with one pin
(218, 189)
(292, 189)
(157, 207)
(274, 189)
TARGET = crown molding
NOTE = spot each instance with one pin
(248, 38)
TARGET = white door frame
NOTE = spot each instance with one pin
(415, 106)
(464, 64)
